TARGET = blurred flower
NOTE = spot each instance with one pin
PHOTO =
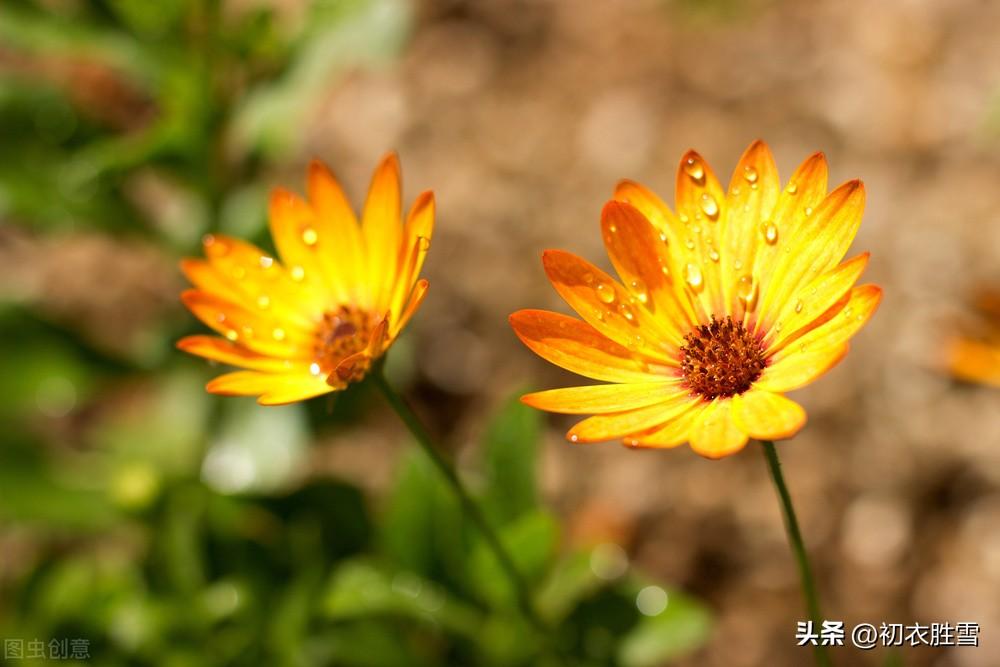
(314, 322)
(721, 308)
(977, 358)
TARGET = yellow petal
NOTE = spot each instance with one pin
(295, 229)
(576, 346)
(604, 304)
(823, 238)
(343, 254)
(416, 298)
(675, 432)
(274, 388)
(701, 206)
(381, 229)
(839, 324)
(767, 416)
(602, 398)
(631, 422)
(799, 370)
(716, 434)
(223, 351)
(753, 194)
(641, 259)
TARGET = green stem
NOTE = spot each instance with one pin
(447, 470)
(798, 549)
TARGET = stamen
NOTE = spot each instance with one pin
(343, 332)
(721, 359)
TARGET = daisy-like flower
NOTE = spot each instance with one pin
(721, 307)
(977, 358)
(314, 321)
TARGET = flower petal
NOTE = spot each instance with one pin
(675, 432)
(578, 347)
(296, 231)
(604, 304)
(273, 388)
(416, 242)
(700, 203)
(716, 434)
(975, 361)
(753, 194)
(810, 303)
(798, 370)
(416, 298)
(641, 259)
(631, 422)
(601, 398)
(839, 324)
(342, 257)
(381, 229)
(767, 416)
(223, 351)
(819, 244)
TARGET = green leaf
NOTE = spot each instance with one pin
(510, 450)
(571, 580)
(682, 626)
(531, 542)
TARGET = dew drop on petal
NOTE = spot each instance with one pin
(750, 174)
(709, 206)
(770, 232)
(297, 273)
(713, 254)
(309, 236)
(693, 277)
(266, 262)
(625, 311)
(641, 293)
(689, 244)
(808, 211)
(314, 368)
(263, 301)
(663, 237)
(605, 293)
(423, 243)
(278, 334)
(792, 188)
(232, 334)
(574, 438)
(693, 168)
(798, 306)
(738, 264)
(747, 290)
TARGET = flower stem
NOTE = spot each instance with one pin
(447, 470)
(798, 549)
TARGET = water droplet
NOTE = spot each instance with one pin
(746, 290)
(798, 306)
(693, 168)
(738, 264)
(683, 218)
(696, 229)
(792, 188)
(599, 314)
(710, 206)
(263, 301)
(574, 437)
(750, 174)
(423, 243)
(770, 232)
(713, 254)
(693, 277)
(736, 191)
(848, 311)
(232, 334)
(605, 293)
(314, 368)
(663, 237)
(641, 293)
(612, 228)
(808, 211)
(689, 244)
(297, 273)
(626, 312)
(309, 236)
(266, 262)
(278, 334)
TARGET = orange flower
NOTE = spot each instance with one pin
(977, 358)
(313, 322)
(722, 307)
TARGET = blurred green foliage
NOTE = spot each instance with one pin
(167, 526)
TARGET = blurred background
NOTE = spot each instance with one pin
(164, 526)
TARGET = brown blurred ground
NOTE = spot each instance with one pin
(522, 115)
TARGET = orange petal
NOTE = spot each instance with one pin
(838, 326)
(258, 334)
(753, 194)
(632, 422)
(798, 370)
(820, 243)
(343, 252)
(675, 432)
(296, 231)
(716, 434)
(601, 398)
(641, 259)
(811, 302)
(416, 242)
(381, 229)
(604, 304)
(416, 298)
(701, 204)
(223, 351)
(578, 347)
(767, 416)
(273, 388)
(975, 361)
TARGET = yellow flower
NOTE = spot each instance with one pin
(722, 307)
(977, 358)
(313, 322)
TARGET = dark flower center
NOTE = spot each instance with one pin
(721, 359)
(343, 332)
